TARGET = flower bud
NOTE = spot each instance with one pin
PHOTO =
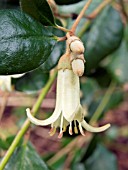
(77, 47)
(78, 67)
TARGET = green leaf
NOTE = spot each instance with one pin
(32, 81)
(24, 158)
(104, 37)
(101, 159)
(24, 43)
(126, 34)
(5, 144)
(102, 76)
(118, 65)
(115, 100)
(39, 10)
(78, 166)
(54, 57)
(57, 52)
(89, 87)
(76, 8)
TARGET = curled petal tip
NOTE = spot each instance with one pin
(31, 118)
(94, 129)
(45, 122)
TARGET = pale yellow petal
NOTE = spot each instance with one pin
(45, 122)
(57, 111)
(94, 129)
(70, 94)
(17, 75)
(5, 83)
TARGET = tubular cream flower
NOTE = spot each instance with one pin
(68, 107)
(5, 82)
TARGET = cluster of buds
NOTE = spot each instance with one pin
(76, 49)
(68, 108)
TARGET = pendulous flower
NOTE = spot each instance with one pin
(68, 107)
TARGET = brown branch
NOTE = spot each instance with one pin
(3, 101)
(16, 99)
(78, 142)
(73, 29)
(99, 9)
(123, 10)
(118, 7)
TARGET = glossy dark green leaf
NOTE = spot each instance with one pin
(89, 87)
(57, 52)
(66, 2)
(104, 37)
(24, 43)
(24, 158)
(101, 159)
(102, 76)
(32, 81)
(39, 10)
(118, 65)
(54, 57)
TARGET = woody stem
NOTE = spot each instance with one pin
(73, 29)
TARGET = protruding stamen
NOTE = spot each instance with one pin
(60, 135)
(75, 127)
(61, 128)
(64, 128)
(61, 124)
(70, 129)
(52, 131)
(81, 130)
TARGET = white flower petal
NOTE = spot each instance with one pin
(57, 111)
(94, 129)
(5, 83)
(17, 75)
(45, 122)
(70, 93)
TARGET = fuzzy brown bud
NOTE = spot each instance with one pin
(77, 47)
(78, 67)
